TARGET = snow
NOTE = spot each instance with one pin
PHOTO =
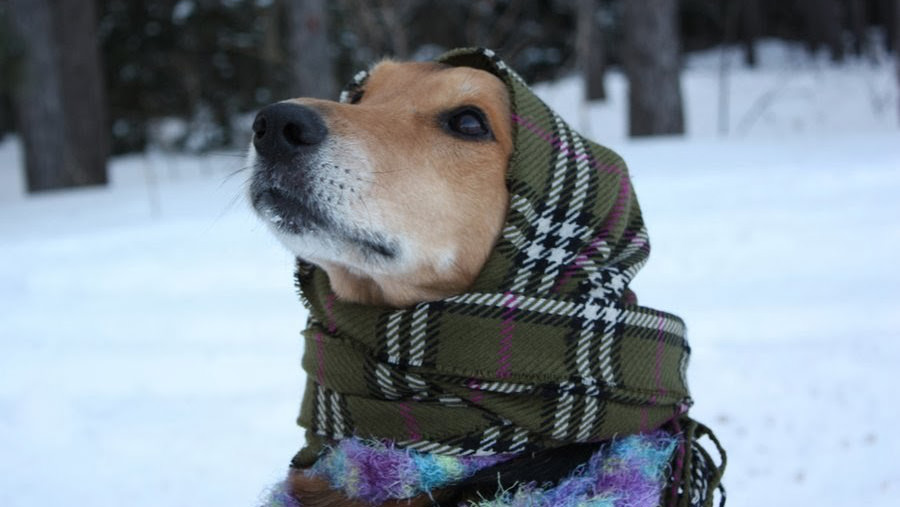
(149, 346)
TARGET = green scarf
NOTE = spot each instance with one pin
(547, 348)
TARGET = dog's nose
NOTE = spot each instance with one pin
(285, 129)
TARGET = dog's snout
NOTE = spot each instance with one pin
(282, 130)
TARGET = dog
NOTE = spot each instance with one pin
(400, 194)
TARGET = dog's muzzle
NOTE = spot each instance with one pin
(287, 137)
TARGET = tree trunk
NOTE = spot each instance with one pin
(896, 23)
(885, 14)
(313, 65)
(751, 27)
(60, 101)
(37, 100)
(591, 49)
(83, 91)
(824, 26)
(651, 58)
(856, 14)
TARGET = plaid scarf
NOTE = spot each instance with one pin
(547, 348)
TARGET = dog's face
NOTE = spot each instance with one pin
(400, 195)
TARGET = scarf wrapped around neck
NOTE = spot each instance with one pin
(547, 348)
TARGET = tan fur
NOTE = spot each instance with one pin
(446, 194)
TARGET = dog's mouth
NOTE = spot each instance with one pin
(286, 212)
(293, 214)
(376, 246)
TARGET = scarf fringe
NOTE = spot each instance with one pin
(695, 476)
(627, 471)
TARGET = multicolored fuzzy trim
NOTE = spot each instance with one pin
(376, 472)
(628, 472)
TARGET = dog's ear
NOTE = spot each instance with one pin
(315, 492)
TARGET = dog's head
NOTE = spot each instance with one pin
(399, 194)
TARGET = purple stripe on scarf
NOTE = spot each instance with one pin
(329, 312)
(412, 426)
(508, 327)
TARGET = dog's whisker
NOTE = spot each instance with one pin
(231, 204)
(234, 173)
(228, 154)
(240, 170)
(364, 180)
(369, 214)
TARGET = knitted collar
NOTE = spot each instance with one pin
(626, 472)
(547, 348)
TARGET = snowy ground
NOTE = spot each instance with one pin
(149, 331)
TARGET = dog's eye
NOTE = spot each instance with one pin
(469, 123)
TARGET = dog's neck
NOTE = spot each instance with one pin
(396, 291)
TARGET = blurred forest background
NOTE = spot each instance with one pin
(83, 79)
(149, 320)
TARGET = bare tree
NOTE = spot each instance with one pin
(856, 16)
(83, 91)
(382, 24)
(896, 23)
(60, 102)
(824, 26)
(310, 52)
(591, 49)
(751, 26)
(652, 64)
(499, 25)
(730, 15)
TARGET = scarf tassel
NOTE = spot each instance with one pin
(695, 475)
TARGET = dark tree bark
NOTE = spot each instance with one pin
(83, 91)
(824, 26)
(751, 27)
(652, 64)
(37, 97)
(896, 23)
(856, 17)
(591, 49)
(310, 53)
(60, 101)
(885, 15)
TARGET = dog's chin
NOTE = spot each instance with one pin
(360, 253)
(287, 214)
(316, 237)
